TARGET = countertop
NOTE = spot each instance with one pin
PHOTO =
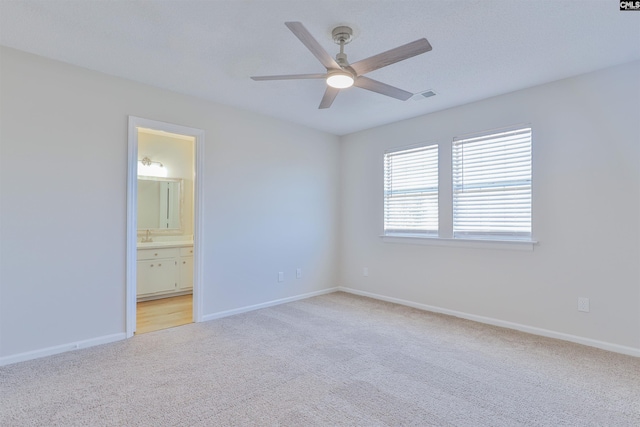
(169, 244)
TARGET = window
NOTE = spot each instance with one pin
(492, 186)
(411, 191)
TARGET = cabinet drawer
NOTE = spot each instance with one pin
(157, 253)
(186, 251)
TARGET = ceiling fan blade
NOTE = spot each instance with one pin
(312, 44)
(290, 77)
(329, 95)
(382, 88)
(392, 56)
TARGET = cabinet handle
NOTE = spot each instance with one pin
(155, 254)
(151, 265)
(159, 265)
(184, 262)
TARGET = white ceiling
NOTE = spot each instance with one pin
(208, 49)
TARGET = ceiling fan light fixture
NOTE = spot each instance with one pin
(340, 79)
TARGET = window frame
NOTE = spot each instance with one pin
(426, 147)
(445, 236)
(483, 188)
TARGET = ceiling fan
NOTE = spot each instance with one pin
(340, 74)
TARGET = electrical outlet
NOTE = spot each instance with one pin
(583, 304)
(281, 276)
(365, 271)
(298, 273)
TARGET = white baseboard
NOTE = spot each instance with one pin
(245, 309)
(50, 351)
(631, 351)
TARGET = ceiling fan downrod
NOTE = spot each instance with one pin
(342, 35)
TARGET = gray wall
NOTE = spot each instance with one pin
(270, 202)
(586, 213)
(280, 196)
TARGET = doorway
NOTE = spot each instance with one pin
(164, 216)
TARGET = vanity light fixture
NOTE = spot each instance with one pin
(148, 167)
(148, 162)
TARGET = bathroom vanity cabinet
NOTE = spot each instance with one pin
(164, 270)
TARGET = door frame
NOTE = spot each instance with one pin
(132, 214)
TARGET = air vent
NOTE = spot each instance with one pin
(422, 95)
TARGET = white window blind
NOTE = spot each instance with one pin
(411, 191)
(492, 185)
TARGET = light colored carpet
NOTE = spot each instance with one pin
(332, 360)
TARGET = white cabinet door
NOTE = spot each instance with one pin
(186, 273)
(159, 275)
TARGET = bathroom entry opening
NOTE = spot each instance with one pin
(164, 266)
(163, 225)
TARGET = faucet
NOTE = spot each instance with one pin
(147, 237)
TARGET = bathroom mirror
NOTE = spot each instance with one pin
(159, 204)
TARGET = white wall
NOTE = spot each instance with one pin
(271, 202)
(586, 213)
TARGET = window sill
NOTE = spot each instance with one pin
(515, 245)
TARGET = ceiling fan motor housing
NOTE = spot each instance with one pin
(341, 59)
